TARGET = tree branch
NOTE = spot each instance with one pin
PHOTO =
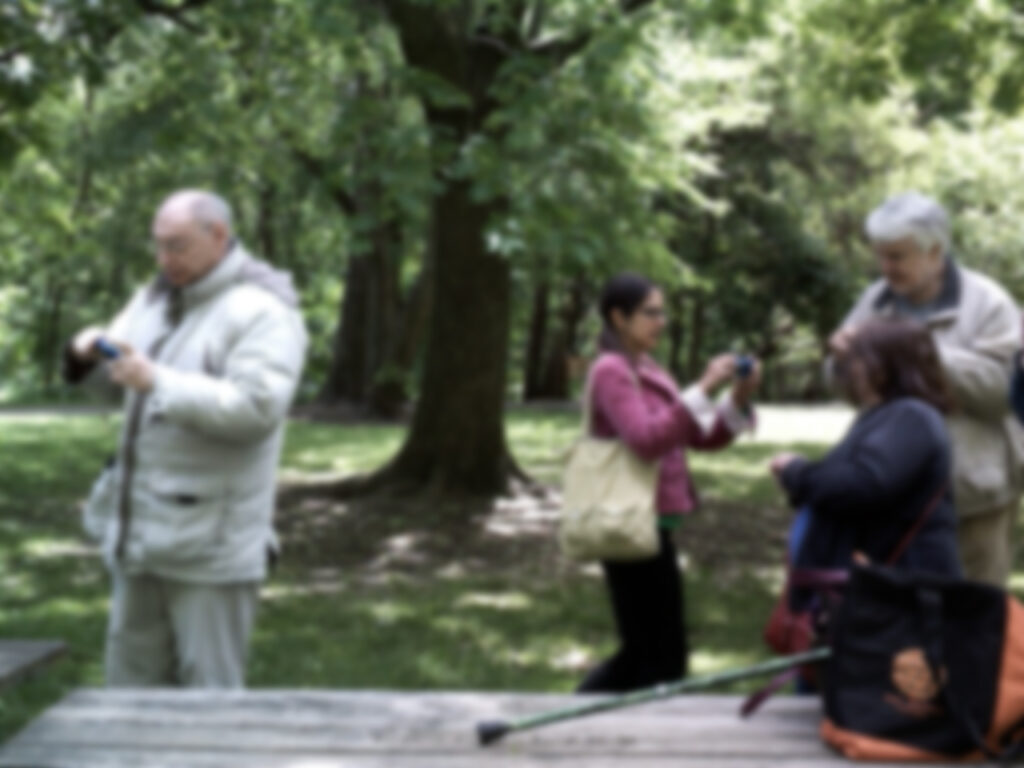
(493, 42)
(537, 16)
(561, 49)
(317, 168)
(176, 13)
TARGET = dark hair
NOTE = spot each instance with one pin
(900, 360)
(626, 292)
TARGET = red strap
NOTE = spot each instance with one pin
(917, 526)
(759, 697)
(828, 578)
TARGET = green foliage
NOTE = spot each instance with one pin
(731, 149)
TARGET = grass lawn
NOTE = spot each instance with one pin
(396, 595)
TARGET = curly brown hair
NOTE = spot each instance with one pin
(900, 359)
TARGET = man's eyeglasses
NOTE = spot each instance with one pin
(174, 246)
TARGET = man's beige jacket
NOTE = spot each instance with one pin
(977, 329)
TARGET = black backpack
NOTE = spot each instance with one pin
(925, 668)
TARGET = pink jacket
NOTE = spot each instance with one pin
(654, 422)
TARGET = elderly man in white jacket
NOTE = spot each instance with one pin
(211, 353)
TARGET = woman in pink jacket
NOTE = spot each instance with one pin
(634, 400)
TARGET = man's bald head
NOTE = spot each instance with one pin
(191, 232)
(199, 205)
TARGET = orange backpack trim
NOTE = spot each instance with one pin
(857, 746)
(1009, 707)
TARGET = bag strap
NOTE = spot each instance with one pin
(830, 578)
(818, 578)
(915, 529)
(588, 402)
(588, 398)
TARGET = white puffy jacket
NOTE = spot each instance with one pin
(191, 494)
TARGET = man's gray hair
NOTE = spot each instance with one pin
(208, 208)
(203, 207)
(910, 214)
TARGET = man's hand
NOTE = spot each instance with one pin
(133, 370)
(84, 344)
(839, 343)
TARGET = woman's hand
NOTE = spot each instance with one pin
(743, 390)
(720, 370)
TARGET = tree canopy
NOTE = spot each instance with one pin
(450, 182)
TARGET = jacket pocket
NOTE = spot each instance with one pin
(180, 521)
(100, 508)
(982, 465)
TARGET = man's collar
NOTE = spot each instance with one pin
(223, 274)
(945, 304)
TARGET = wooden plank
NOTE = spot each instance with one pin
(43, 758)
(19, 658)
(314, 729)
(386, 705)
(407, 722)
(370, 706)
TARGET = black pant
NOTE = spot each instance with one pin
(647, 598)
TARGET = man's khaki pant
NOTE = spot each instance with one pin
(164, 632)
(986, 544)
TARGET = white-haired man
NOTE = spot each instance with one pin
(210, 355)
(977, 329)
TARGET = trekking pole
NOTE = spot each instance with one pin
(490, 731)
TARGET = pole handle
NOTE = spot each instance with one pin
(490, 731)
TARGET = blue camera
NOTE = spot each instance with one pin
(107, 349)
(744, 366)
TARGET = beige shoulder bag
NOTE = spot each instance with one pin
(608, 504)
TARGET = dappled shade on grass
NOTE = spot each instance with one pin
(390, 594)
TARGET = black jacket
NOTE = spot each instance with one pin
(869, 491)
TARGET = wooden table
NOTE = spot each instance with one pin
(333, 729)
(21, 657)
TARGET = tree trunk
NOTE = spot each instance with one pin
(265, 223)
(385, 380)
(415, 321)
(535, 342)
(456, 444)
(368, 325)
(346, 378)
(50, 339)
(695, 354)
(675, 335)
(555, 378)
